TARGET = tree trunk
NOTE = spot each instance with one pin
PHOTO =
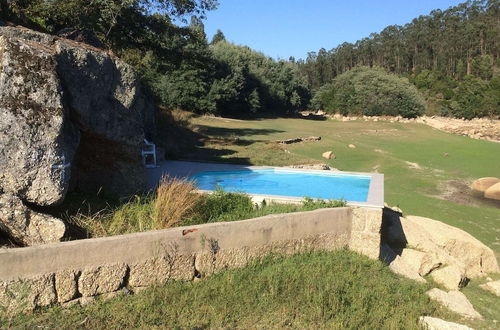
(481, 43)
(469, 63)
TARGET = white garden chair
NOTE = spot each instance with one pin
(149, 154)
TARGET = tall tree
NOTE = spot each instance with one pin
(218, 36)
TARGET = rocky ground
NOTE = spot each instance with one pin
(424, 249)
(477, 128)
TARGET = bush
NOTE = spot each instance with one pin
(134, 216)
(370, 91)
(175, 200)
(222, 206)
(314, 204)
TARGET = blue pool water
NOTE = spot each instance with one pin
(287, 183)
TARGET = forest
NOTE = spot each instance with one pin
(450, 58)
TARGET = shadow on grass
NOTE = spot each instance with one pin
(204, 154)
(182, 141)
(235, 132)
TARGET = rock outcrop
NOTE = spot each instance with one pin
(433, 323)
(399, 265)
(451, 277)
(25, 226)
(482, 184)
(72, 116)
(492, 286)
(421, 262)
(493, 192)
(455, 301)
(35, 136)
(446, 244)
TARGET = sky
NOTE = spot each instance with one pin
(284, 28)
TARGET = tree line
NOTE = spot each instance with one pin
(178, 64)
(451, 56)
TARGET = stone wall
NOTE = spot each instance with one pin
(365, 232)
(79, 271)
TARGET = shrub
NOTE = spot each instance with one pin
(222, 206)
(134, 216)
(473, 97)
(176, 203)
(370, 91)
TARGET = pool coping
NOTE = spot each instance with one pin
(185, 169)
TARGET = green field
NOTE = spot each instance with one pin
(436, 186)
(426, 173)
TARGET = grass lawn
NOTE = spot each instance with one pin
(444, 163)
(339, 290)
(427, 171)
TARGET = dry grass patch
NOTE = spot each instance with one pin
(175, 201)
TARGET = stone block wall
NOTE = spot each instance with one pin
(365, 232)
(74, 272)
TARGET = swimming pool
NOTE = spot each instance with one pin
(277, 184)
(326, 185)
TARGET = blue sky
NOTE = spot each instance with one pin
(283, 28)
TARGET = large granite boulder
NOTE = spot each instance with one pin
(448, 245)
(112, 113)
(71, 117)
(492, 286)
(482, 184)
(432, 323)
(455, 301)
(36, 140)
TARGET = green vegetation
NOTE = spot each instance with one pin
(370, 92)
(176, 204)
(177, 63)
(247, 82)
(466, 97)
(426, 171)
(340, 290)
(457, 49)
(452, 56)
